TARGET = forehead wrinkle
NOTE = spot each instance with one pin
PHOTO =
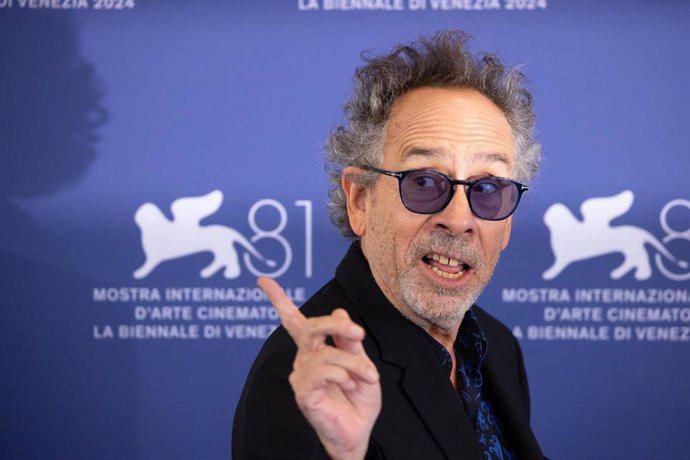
(475, 130)
(423, 152)
(484, 131)
(486, 148)
(419, 126)
(492, 157)
(427, 113)
(477, 157)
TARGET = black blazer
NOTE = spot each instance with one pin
(422, 416)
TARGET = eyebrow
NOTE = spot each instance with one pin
(489, 157)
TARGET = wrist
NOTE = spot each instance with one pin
(357, 453)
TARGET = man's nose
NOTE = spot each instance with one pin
(457, 217)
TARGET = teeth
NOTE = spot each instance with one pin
(450, 276)
(445, 260)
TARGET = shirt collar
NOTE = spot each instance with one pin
(470, 345)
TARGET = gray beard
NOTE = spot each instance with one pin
(439, 306)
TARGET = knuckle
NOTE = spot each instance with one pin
(341, 312)
(327, 353)
(310, 326)
(293, 379)
(300, 399)
(301, 360)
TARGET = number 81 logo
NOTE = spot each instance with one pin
(276, 235)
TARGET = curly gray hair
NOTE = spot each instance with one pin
(442, 61)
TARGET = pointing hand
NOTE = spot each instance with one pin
(336, 387)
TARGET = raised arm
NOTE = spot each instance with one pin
(336, 387)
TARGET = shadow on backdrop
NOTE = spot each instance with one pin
(64, 395)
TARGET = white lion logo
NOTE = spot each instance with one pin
(163, 239)
(573, 240)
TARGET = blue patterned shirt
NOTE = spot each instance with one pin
(470, 350)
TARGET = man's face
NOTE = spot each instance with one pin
(433, 267)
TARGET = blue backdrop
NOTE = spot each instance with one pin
(107, 105)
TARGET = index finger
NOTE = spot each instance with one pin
(290, 315)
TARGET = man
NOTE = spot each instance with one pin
(392, 359)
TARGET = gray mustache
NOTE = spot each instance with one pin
(460, 248)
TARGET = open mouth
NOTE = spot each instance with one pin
(445, 267)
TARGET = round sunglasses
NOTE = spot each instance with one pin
(426, 191)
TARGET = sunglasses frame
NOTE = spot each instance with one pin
(468, 184)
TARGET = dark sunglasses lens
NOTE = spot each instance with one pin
(494, 199)
(425, 192)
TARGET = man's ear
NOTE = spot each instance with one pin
(356, 194)
(506, 233)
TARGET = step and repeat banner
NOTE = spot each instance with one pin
(158, 156)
